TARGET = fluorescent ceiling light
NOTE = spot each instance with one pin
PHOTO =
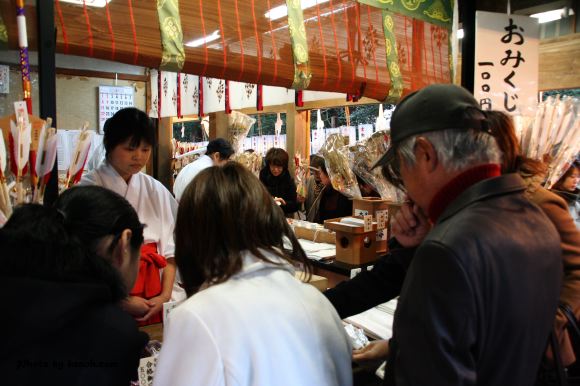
(201, 41)
(89, 3)
(282, 11)
(460, 33)
(546, 17)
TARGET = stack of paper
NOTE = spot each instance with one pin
(376, 322)
(318, 251)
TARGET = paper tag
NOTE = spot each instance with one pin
(20, 110)
(147, 370)
(360, 212)
(167, 308)
(381, 234)
(368, 222)
(354, 272)
(381, 219)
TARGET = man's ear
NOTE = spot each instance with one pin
(426, 154)
(215, 157)
(122, 251)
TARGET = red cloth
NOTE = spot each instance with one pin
(148, 283)
(458, 185)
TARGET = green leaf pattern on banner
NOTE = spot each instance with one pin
(297, 30)
(438, 12)
(396, 89)
(173, 55)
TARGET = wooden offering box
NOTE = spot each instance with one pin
(353, 244)
(376, 206)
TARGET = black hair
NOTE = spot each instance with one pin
(128, 123)
(94, 212)
(221, 146)
(316, 161)
(38, 242)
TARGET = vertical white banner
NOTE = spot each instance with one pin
(168, 94)
(154, 105)
(506, 62)
(189, 94)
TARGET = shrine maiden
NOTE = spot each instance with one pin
(129, 137)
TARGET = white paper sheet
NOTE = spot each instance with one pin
(376, 322)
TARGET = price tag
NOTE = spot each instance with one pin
(368, 222)
(167, 308)
(381, 219)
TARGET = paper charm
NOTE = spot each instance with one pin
(381, 122)
(47, 144)
(80, 156)
(278, 125)
(319, 121)
(5, 205)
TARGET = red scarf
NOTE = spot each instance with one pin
(148, 283)
(458, 185)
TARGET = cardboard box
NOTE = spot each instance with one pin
(371, 205)
(353, 244)
(319, 282)
(316, 235)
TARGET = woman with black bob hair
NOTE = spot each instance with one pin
(128, 140)
(276, 178)
(248, 320)
(71, 266)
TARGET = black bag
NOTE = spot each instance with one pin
(559, 375)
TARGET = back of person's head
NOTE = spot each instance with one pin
(316, 161)
(502, 128)
(94, 212)
(220, 146)
(277, 157)
(128, 123)
(36, 243)
(222, 213)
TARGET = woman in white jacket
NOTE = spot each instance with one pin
(247, 321)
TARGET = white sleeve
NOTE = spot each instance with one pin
(168, 217)
(189, 355)
(181, 181)
(90, 178)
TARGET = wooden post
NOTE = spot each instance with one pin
(47, 80)
(164, 156)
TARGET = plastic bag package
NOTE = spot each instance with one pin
(335, 153)
(362, 157)
(252, 161)
(300, 173)
(239, 124)
(552, 135)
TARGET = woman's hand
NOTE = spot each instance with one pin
(136, 306)
(279, 201)
(377, 350)
(155, 306)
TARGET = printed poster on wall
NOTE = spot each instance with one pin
(113, 99)
(506, 62)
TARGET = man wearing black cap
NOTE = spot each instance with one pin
(218, 152)
(480, 294)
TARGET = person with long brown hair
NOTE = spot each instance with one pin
(533, 172)
(277, 179)
(247, 320)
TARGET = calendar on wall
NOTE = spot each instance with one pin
(113, 99)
